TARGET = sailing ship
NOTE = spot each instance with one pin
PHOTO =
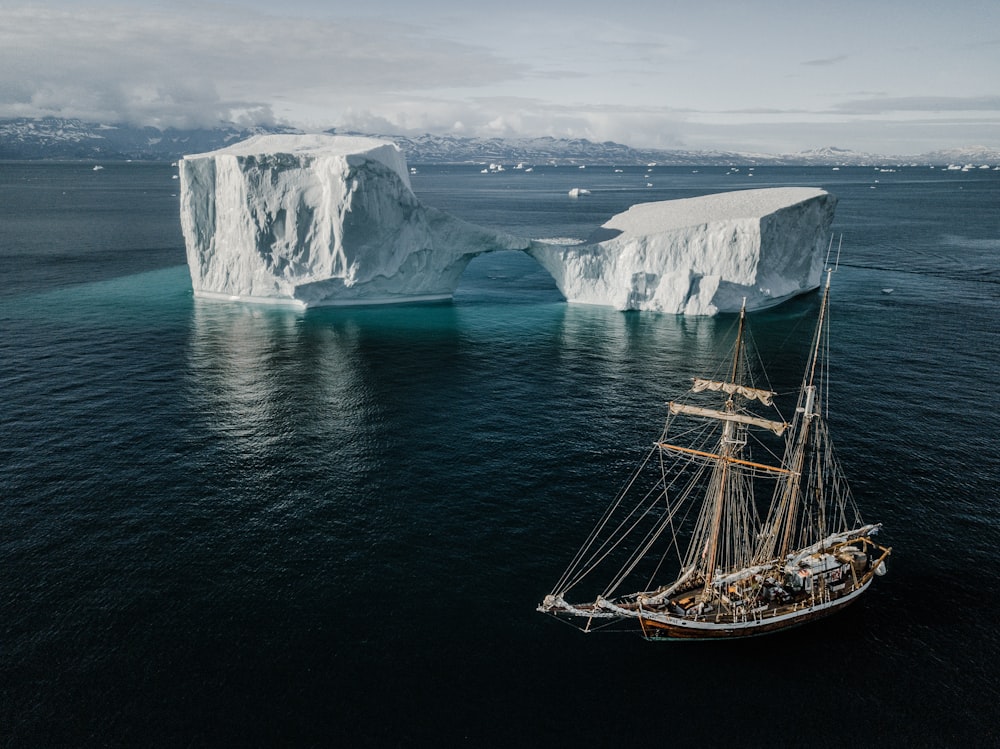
(741, 569)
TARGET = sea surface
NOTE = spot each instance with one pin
(234, 526)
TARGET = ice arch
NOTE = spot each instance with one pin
(316, 220)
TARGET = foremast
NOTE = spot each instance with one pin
(809, 460)
(807, 402)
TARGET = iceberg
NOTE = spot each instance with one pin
(315, 220)
(700, 256)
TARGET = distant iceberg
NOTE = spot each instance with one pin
(317, 220)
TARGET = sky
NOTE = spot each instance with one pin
(894, 77)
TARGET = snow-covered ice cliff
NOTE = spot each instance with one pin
(319, 220)
(699, 256)
(323, 219)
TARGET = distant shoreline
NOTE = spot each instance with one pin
(59, 139)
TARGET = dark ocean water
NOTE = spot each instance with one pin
(225, 525)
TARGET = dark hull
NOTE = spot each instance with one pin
(711, 630)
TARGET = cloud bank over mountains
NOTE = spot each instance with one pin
(56, 138)
(150, 67)
(751, 76)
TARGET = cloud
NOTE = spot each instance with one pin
(887, 104)
(649, 77)
(510, 116)
(206, 65)
(822, 62)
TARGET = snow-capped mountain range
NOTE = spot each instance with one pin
(59, 138)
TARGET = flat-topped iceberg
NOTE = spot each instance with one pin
(319, 220)
(323, 219)
(699, 256)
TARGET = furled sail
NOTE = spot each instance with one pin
(764, 396)
(778, 427)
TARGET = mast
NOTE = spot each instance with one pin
(808, 396)
(739, 341)
(726, 455)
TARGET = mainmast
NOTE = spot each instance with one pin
(807, 408)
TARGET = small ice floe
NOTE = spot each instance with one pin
(98, 168)
(578, 191)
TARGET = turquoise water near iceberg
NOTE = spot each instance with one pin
(233, 525)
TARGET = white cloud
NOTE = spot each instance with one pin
(826, 61)
(883, 104)
(643, 73)
(155, 67)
